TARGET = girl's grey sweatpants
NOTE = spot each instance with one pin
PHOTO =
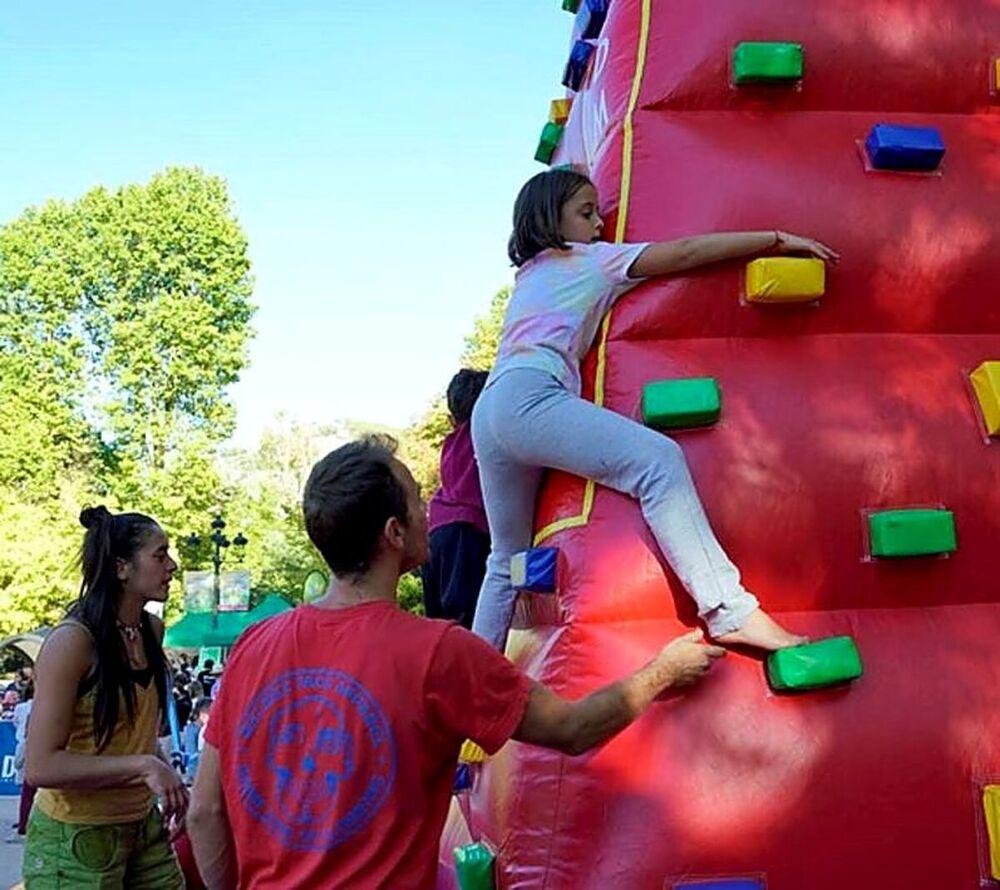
(524, 421)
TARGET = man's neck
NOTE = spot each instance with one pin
(378, 584)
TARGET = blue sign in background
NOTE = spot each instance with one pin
(8, 783)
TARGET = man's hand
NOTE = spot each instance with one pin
(687, 659)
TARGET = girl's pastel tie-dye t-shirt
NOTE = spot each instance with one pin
(559, 299)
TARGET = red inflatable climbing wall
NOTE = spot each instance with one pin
(860, 402)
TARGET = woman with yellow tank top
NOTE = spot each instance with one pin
(100, 691)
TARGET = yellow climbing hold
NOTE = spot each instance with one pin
(559, 110)
(986, 384)
(783, 279)
(472, 753)
(991, 809)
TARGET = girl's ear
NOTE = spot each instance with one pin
(122, 569)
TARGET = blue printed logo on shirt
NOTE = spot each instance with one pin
(316, 758)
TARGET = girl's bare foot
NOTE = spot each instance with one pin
(762, 632)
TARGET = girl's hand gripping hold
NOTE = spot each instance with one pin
(785, 242)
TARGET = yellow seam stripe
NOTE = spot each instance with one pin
(558, 526)
(602, 359)
(570, 521)
(623, 205)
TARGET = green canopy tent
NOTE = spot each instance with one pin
(272, 604)
(198, 630)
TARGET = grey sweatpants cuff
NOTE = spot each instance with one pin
(731, 615)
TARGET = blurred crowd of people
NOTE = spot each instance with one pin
(192, 692)
(16, 707)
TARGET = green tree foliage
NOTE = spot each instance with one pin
(124, 317)
(410, 593)
(38, 573)
(167, 289)
(420, 444)
(42, 353)
(124, 320)
(262, 489)
(481, 345)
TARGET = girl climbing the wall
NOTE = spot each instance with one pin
(530, 415)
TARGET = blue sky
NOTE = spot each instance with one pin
(373, 150)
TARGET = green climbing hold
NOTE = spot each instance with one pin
(814, 665)
(767, 62)
(676, 404)
(549, 142)
(912, 532)
(474, 867)
(571, 6)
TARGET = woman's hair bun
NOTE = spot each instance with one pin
(93, 516)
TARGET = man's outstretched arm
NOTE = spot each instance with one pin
(574, 727)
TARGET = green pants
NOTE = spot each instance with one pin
(133, 855)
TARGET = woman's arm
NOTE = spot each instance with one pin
(668, 257)
(63, 662)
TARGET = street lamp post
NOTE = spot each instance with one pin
(220, 543)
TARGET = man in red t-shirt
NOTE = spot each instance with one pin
(331, 749)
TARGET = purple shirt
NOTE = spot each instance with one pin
(459, 499)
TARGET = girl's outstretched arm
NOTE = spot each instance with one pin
(668, 257)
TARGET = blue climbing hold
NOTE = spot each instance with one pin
(535, 569)
(576, 67)
(725, 884)
(896, 147)
(592, 16)
(463, 778)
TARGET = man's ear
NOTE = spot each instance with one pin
(394, 533)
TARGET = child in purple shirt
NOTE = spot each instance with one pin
(459, 535)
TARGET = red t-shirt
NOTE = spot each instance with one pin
(338, 732)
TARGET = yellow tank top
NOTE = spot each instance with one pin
(107, 805)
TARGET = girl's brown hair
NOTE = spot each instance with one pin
(537, 210)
